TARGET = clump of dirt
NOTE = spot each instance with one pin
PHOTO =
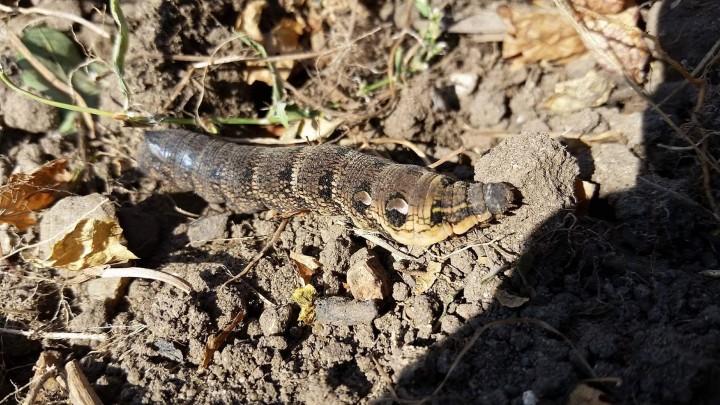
(610, 290)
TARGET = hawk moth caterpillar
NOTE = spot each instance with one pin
(410, 204)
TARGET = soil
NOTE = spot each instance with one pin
(596, 297)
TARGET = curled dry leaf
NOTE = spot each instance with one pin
(306, 265)
(93, 242)
(605, 6)
(215, 342)
(614, 33)
(536, 35)
(308, 129)
(510, 300)
(23, 194)
(284, 37)
(584, 394)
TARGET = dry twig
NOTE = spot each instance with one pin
(59, 14)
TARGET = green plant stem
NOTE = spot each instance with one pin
(151, 120)
(53, 103)
(374, 86)
(291, 116)
(120, 47)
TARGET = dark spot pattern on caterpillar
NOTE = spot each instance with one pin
(407, 203)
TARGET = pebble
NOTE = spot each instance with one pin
(344, 311)
(208, 228)
(367, 278)
(275, 321)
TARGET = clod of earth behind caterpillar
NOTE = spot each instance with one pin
(410, 204)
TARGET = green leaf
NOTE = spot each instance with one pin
(278, 112)
(424, 8)
(61, 56)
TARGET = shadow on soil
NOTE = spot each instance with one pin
(622, 283)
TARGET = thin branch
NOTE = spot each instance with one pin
(37, 335)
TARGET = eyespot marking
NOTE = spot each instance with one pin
(363, 197)
(397, 204)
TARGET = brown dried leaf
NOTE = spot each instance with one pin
(286, 35)
(605, 6)
(614, 34)
(93, 242)
(258, 71)
(25, 193)
(214, 342)
(584, 394)
(509, 300)
(248, 22)
(306, 265)
(539, 36)
(283, 38)
(425, 281)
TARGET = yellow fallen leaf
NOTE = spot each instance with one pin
(425, 281)
(92, 242)
(305, 297)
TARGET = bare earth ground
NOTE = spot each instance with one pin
(620, 307)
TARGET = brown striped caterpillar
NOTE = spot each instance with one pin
(408, 203)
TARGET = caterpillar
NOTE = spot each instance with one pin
(410, 204)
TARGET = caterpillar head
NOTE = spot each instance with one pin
(437, 207)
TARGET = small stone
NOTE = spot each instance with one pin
(450, 324)
(274, 321)
(28, 115)
(581, 122)
(208, 228)
(9, 240)
(273, 342)
(474, 287)
(616, 168)
(469, 311)
(464, 82)
(253, 329)
(487, 109)
(421, 310)
(401, 291)
(367, 278)
(344, 311)
(29, 158)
